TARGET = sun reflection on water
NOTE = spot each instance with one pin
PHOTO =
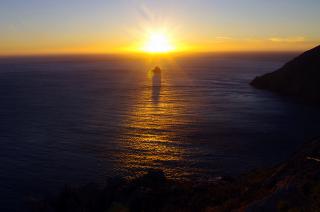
(150, 139)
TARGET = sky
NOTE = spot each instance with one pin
(115, 26)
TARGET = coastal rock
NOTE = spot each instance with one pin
(300, 77)
(293, 185)
(156, 77)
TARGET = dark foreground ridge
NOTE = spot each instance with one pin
(300, 77)
(291, 186)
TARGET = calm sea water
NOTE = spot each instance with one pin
(74, 120)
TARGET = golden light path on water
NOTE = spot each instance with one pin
(150, 137)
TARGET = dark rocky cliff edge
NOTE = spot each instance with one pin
(293, 185)
(300, 77)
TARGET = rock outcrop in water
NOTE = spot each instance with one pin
(299, 77)
(156, 76)
(291, 186)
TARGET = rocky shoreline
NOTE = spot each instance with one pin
(290, 186)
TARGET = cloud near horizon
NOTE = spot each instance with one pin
(288, 39)
(297, 39)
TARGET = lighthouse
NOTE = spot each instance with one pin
(156, 76)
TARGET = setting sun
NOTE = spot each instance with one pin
(158, 42)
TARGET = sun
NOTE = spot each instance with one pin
(158, 42)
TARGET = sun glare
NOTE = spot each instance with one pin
(158, 42)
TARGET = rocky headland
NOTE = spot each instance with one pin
(299, 78)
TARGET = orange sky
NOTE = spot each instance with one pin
(60, 27)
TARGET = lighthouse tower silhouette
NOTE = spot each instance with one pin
(156, 76)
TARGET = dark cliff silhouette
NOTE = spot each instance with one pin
(290, 186)
(300, 77)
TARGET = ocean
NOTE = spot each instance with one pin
(72, 120)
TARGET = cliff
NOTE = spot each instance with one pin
(300, 77)
(293, 185)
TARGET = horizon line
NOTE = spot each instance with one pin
(176, 53)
